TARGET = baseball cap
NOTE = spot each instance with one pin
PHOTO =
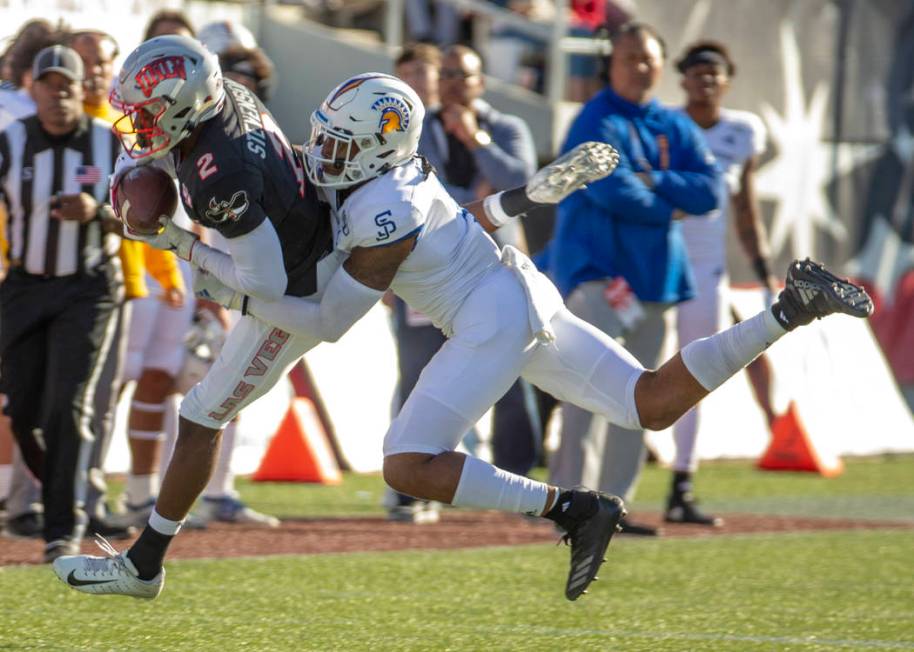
(58, 58)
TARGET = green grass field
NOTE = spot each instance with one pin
(809, 591)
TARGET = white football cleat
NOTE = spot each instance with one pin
(585, 163)
(111, 575)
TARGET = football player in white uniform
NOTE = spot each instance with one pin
(395, 227)
(736, 138)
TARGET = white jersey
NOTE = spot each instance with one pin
(734, 139)
(452, 253)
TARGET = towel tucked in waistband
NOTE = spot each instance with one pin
(543, 299)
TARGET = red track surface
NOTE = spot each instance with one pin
(456, 530)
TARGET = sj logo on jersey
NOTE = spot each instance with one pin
(385, 224)
(231, 210)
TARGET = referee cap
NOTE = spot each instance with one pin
(58, 58)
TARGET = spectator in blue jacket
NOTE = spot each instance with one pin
(618, 254)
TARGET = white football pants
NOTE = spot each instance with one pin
(492, 345)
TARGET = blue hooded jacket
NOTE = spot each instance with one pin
(618, 226)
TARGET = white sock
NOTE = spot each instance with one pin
(6, 478)
(485, 486)
(222, 482)
(164, 526)
(142, 488)
(145, 435)
(712, 360)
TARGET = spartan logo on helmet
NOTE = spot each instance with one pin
(231, 210)
(394, 114)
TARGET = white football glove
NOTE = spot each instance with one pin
(207, 286)
(171, 238)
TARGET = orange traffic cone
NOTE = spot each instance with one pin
(299, 451)
(791, 449)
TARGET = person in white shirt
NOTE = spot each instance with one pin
(735, 138)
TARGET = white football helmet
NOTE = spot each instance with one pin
(367, 125)
(167, 86)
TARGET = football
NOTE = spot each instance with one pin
(144, 194)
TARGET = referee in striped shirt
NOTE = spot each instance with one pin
(57, 303)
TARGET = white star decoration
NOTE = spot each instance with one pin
(797, 178)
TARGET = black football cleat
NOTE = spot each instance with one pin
(682, 508)
(589, 538)
(812, 292)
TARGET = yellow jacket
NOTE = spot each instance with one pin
(138, 257)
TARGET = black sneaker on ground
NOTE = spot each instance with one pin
(109, 530)
(812, 292)
(60, 548)
(682, 508)
(25, 526)
(589, 537)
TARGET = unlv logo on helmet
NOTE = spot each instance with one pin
(231, 210)
(153, 74)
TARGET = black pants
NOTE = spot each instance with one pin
(106, 397)
(54, 336)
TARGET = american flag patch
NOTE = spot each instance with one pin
(87, 174)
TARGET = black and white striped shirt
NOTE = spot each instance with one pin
(35, 166)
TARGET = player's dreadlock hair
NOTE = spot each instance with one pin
(706, 52)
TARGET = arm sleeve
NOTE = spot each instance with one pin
(510, 160)
(163, 267)
(622, 193)
(343, 303)
(132, 254)
(253, 266)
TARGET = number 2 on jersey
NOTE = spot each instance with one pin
(206, 167)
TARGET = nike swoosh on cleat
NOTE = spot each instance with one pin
(73, 581)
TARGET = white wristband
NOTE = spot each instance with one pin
(494, 212)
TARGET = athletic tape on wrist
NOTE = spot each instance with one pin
(494, 211)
